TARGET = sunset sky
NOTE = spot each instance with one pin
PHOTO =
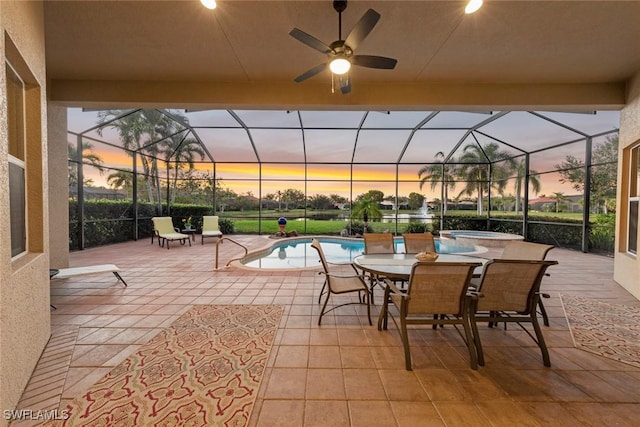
(331, 141)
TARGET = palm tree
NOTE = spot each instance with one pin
(473, 169)
(146, 132)
(88, 157)
(137, 130)
(121, 179)
(366, 208)
(506, 202)
(534, 182)
(438, 173)
(558, 197)
(180, 151)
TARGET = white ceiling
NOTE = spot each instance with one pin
(177, 53)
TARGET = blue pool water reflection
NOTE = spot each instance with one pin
(298, 253)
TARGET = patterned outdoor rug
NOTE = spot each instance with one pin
(609, 330)
(203, 370)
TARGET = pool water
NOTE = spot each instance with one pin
(298, 253)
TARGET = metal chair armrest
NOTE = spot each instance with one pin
(393, 287)
(339, 263)
(474, 295)
(345, 276)
(342, 264)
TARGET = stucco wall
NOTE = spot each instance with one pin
(58, 186)
(626, 266)
(24, 282)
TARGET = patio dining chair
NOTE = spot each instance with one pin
(528, 250)
(340, 284)
(436, 295)
(415, 243)
(418, 242)
(210, 227)
(164, 230)
(509, 291)
(378, 243)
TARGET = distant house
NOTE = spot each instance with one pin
(97, 193)
(541, 203)
(466, 205)
(342, 206)
(269, 204)
(546, 204)
(389, 205)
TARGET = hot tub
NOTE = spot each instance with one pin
(488, 239)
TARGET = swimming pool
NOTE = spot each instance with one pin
(298, 253)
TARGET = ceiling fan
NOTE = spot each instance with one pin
(341, 52)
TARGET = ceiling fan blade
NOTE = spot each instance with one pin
(372, 61)
(345, 84)
(310, 73)
(310, 41)
(362, 28)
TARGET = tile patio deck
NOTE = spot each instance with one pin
(344, 373)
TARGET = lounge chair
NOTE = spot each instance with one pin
(210, 227)
(164, 230)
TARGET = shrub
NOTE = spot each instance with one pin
(563, 234)
(464, 223)
(602, 234)
(226, 226)
(357, 228)
(417, 227)
(602, 240)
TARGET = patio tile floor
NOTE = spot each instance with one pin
(345, 372)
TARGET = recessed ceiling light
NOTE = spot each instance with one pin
(473, 6)
(211, 4)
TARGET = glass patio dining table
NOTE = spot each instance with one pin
(398, 266)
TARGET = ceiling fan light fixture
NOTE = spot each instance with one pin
(340, 66)
(209, 4)
(473, 6)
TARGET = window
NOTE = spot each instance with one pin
(25, 185)
(17, 173)
(634, 201)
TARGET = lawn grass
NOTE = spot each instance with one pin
(300, 213)
(270, 226)
(246, 221)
